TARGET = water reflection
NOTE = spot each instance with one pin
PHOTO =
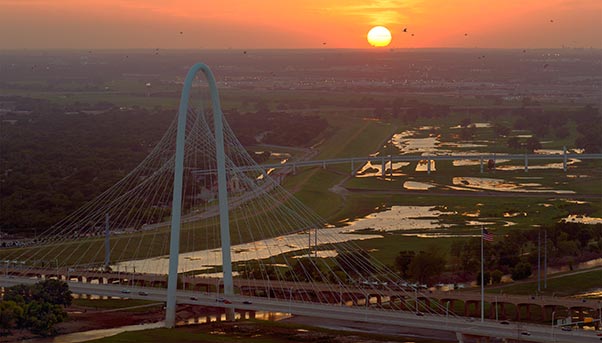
(417, 186)
(221, 317)
(582, 218)
(503, 185)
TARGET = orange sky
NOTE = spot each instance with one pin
(248, 24)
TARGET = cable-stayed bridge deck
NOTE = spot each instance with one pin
(463, 326)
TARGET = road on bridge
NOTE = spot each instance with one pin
(525, 332)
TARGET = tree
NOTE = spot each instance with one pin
(37, 307)
(533, 144)
(425, 266)
(52, 291)
(496, 276)
(486, 278)
(584, 235)
(18, 293)
(11, 314)
(467, 132)
(514, 143)
(521, 271)
(40, 317)
(403, 260)
(501, 130)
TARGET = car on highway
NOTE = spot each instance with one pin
(247, 302)
(566, 328)
(505, 322)
(143, 293)
(126, 291)
(525, 333)
(193, 298)
(223, 300)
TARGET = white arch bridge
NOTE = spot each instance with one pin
(164, 211)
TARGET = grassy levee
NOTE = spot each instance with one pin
(203, 234)
(353, 137)
(565, 284)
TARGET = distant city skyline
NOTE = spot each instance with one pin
(271, 24)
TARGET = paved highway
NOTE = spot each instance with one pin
(525, 332)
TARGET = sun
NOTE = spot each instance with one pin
(379, 36)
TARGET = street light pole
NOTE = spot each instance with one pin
(416, 298)
(290, 300)
(447, 311)
(217, 287)
(553, 337)
(496, 306)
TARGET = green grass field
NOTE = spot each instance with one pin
(566, 284)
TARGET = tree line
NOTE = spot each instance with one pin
(515, 254)
(54, 158)
(37, 308)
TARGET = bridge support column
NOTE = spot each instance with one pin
(174, 248)
(382, 166)
(460, 337)
(481, 164)
(564, 162)
(526, 163)
(352, 168)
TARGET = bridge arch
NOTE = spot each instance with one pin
(174, 244)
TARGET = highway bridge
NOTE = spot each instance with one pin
(461, 326)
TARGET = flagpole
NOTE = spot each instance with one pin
(482, 282)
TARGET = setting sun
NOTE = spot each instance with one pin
(379, 36)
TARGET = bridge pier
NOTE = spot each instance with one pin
(564, 159)
(477, 308)
(481, 164)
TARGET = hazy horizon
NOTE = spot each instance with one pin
(312, 24)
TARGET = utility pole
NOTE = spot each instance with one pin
(545, 259)
(538, 261)
(482, 279)
(107, 243)
(316, 243)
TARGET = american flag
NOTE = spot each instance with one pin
(487, 236)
